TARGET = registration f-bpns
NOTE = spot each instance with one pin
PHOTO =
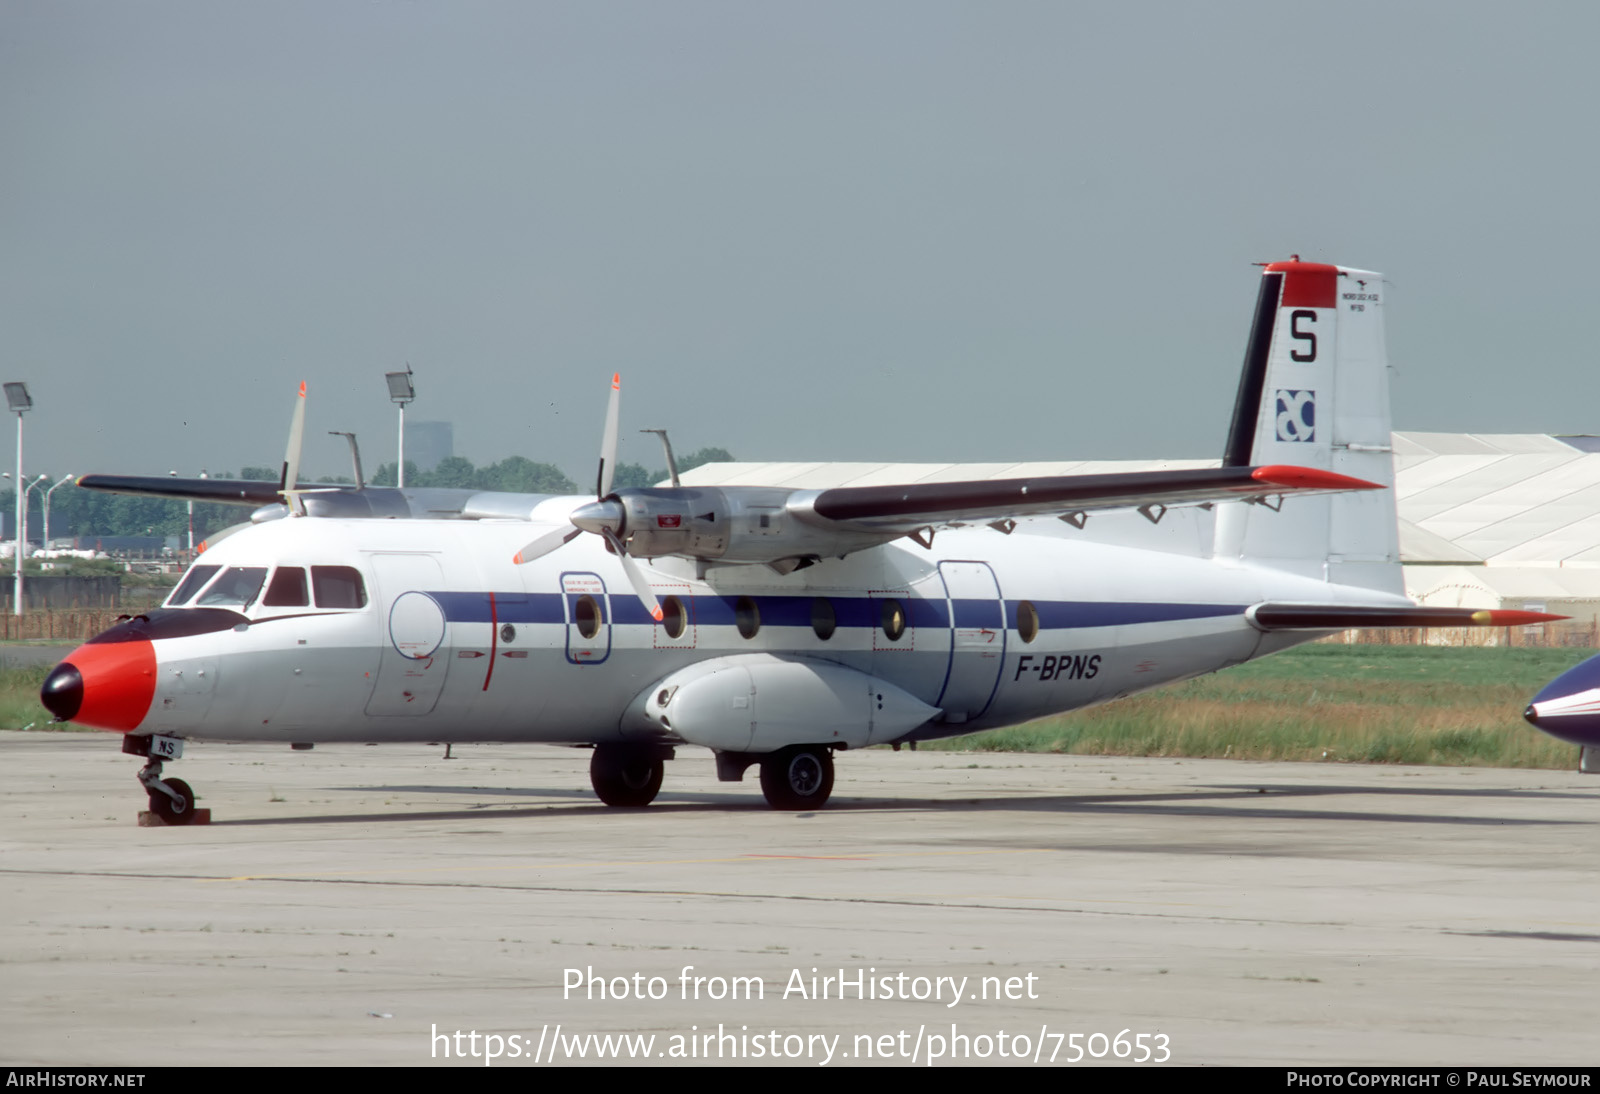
(775, 626)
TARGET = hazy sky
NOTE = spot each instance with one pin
(896, 231)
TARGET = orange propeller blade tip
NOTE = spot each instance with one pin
(616, 380)
(302, 389)
(658, 614)
(517, 559)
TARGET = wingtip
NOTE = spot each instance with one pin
(1511, 617)
(1310, 478)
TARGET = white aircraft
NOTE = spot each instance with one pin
(776, 626)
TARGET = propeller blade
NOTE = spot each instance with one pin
(546, 543)
(608, 442)
(636, 578)
(291, 455)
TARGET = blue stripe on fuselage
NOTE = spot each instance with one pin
(851, 611)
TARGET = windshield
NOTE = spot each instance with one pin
(192, 581)
(237, 587)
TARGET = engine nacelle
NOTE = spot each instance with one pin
(731, 524)
(762, 702)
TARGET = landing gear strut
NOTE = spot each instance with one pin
(798, 777)
(626, 776)
(170, 799)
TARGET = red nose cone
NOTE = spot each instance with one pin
(116, 683)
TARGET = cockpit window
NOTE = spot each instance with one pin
(237, 587)
(338, 587)
(287, 589)
(191, 584)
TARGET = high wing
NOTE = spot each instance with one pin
(220, 491)
(907, 508)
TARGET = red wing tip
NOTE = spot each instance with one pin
(1310, 478)
(1509, 617)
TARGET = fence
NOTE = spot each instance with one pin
(63, 625)
(1571, 633)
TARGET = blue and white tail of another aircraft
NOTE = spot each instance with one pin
(776, 626)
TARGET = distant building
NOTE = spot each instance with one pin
(429, 443)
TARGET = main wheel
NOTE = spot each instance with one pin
(798, 777)
(173, 812)
(625, 777)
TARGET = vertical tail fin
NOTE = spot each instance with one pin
(1315, 392)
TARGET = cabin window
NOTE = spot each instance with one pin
(893, 618)
(824, 620)
(192, 583)
(338, 587)
(1027, 621)
(673, 617)
(747, 617)
(287, 589)
(236, 588)
(586, 614)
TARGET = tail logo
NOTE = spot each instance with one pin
(1297, 415)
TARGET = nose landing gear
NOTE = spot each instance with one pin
(170, 799)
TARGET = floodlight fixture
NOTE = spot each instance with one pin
(401, 390)
(17, 398)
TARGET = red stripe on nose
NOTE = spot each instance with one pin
(118, 683)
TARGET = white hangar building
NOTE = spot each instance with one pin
(1486, 520)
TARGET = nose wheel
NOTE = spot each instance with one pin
(170, 799)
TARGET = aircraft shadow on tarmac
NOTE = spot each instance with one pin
(1164, 804)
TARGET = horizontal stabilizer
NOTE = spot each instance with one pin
(1320, 617)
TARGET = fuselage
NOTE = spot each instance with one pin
(312, 630)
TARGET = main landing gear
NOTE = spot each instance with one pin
(794, 778)
(170, 799)
(797, 777)
(628, 777)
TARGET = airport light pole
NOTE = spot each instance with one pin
(401, 392)
(19, 402)
(203, 475)
(64, 480)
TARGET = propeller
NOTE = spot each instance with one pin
(603, 516)
(291, 456)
